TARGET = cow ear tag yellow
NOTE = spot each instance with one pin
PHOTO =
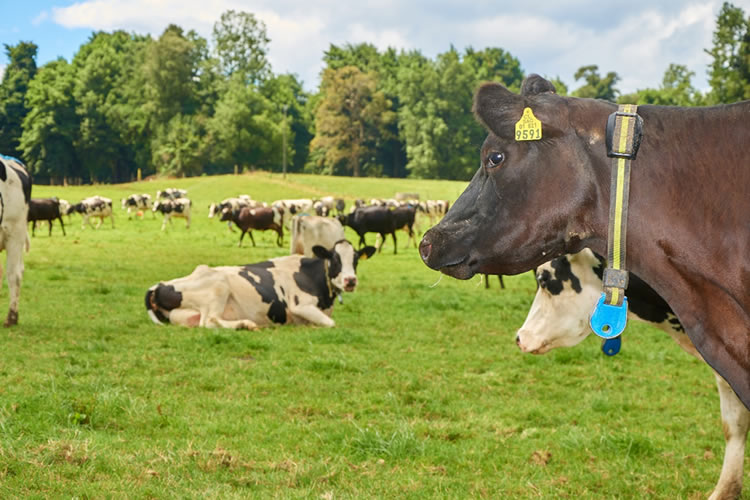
(528, 128)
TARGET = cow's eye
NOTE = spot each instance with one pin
(495, 158)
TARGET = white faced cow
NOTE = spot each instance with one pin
(94, 206)
(179, 207)
(137, 203)
(292, 289)
(15, 193)
(309, 231)
(569, 286)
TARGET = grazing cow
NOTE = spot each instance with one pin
(531, 201)
(291, 289)
(309, 231)
(179, 207)
(568, 288)
(65, 207)
(290, 208)
(171, 194)
(45, 209)
(15, 194)
(372, 219)
(260, 219)
(137, 203)
(324, 206)
(233, 204)
(94, 206)
(340, 206)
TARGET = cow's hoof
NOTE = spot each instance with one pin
(12, 319)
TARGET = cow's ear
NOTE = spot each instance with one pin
(322, 252)
(497, 108)
(366, 252)
(535, 84)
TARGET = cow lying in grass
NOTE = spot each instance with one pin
(569, 286)
(292, 289)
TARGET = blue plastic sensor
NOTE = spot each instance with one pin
(609, 321)
(610, 347)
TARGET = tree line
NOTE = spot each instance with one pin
(182, 105)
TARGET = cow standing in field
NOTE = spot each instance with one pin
(309, 231)
(259, 219)
(324, 206)
(180, 207)
(94, 206)
(171, 194)
(568, 288)
(371, 219)
(233, 204)
(137, 203)
(292, 289)
(45, 209)
(15, 193)
(290, 208)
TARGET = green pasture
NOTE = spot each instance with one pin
(418, 392)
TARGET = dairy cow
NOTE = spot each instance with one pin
(179, 207)
(309, 231)
(94, 206)
(290, 208)
(15, 193)
(137, 203)
(45, 209)
(291, 289)
(568, 288)
(371, 219)
(171, 194)
(260, 219)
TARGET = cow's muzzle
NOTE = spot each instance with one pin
(447, 258)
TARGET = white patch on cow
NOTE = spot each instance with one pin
(347, 278)
(154, 318)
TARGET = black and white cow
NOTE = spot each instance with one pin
(15, 193)
(137, 203)
(290, 208)
(309, 231)
(171, 194)
(94, 206)
(568, 288)
(180, 207)
(291, 289)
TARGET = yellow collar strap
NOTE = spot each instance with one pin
(624, 132)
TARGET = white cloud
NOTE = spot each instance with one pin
(554, 39)
(43, 16)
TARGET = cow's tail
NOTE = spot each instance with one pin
(160, 298)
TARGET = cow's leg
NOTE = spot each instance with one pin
(111, 216)
(84, 221)
(250, 233)
(736, 421)
(50, 227)
(362, 241)
(313, 315)
(164, 222)
(395, 246)
(14, 264)
(62, 225)
(33, 228)
(241, 237)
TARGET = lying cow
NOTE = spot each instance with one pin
(44, 209)
(569, 286)
(180, 207)
(94, 206)
(15, 193)
(260, 219)
(138, 203)
(291, 289)
(309, 231)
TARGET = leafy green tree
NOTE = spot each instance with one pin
(241, 45)
(495, 64)
(350, 120)
(596, 87)
(179, 148)
(676, 90)
(50, 129)
(729, 72)
(16, 78)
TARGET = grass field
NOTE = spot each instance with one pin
(419, 391)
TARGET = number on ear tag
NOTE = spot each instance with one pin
(528, 128)
(609, 321)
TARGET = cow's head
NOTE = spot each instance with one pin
(530, 201)
(568, 288)
(343, 260)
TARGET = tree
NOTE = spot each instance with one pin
(241, 45)
(729, 72)
(596, 87)
(350, 120)
(495, 64)
(16, 78)
(178, 148)
(676, 90)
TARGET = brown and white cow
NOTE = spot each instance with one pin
(291, 289)
(15, 193)
(179, 207)
(309, 231)
(260, 219)
(568, 288)
(94, 206)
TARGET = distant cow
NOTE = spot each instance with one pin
(373, 219)
(324, 206)
(403, 218)
(65, 207)
(260, 219)
(568, 288)
(292, 289)
(94, 206)
(15, 193)
(45, 209)
(180, 207)
(171, 194)
(290, 208)
(136, 203)
(309, 231)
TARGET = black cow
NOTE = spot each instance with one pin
(371, 220)
(45, 209)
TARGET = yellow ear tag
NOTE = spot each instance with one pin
(528, 128)
(363, 256)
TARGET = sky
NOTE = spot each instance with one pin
(638, 39)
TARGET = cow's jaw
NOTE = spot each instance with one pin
(341, 270)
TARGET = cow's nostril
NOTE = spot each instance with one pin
(425, 248)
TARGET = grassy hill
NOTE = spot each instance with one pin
(418, 392)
